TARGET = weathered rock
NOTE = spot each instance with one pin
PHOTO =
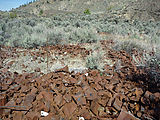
(117, 104)
(80, 99)
(32, 115)
(2, 103)
(18, 116)
(69, 109)
(95, 107)
(126, 116)
(28, 100)
(90, 94)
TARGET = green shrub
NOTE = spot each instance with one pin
(87, 12)
(13, 15)
(40, 12)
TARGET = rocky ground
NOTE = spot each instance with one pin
(40, 88)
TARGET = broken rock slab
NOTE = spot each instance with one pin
(126, 116)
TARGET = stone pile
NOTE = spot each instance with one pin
(90, 95)
(64, 95)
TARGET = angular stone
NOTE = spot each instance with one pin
(95, 107)
(34, 90)
(32, 115)
(65, 69)
(2, 103)
(147, 94)
(48, 96)
(117, 104)
(72, 80)
(139, 114)
(137, 107)
(28, 100)
(69, 108)
(39, 97)
(67, 97)
(110, 102)
(59, 100)
(126, 116)
(94, 73)
(24, 89)
(19, 100)
(86, 114)
(157, 96)
(105, 93)
(51, 116)
(103, 101)
(138, 93)
(90, 94)
(80, 99)
(10, 103)
(18, 116)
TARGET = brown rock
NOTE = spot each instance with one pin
(4, 87)
(133, 98)
(34, 90)
(137, 107)
(24, 89)
(19, 100)
(94, 73)
(32, 115)
(157, 96)
(84, 112)
(138, 93)
(69, 108)
(67, 97)
(48, 96)
(59, 100)
(73, 80)
(65, 69)
(147, 94)
(139, 114)
(105, 93)
(39, 96)
(18, 116)
(51, 116)
(117, 104)
(103, 101)
(110, 102)
(126, 116)
(95, 107)
(124, 108)
(28, 100)
(10, 103)
(80, 99)
(2, 103)
(90, 94)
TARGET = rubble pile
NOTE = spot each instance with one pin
(90, 95)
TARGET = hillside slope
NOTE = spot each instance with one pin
(130, 9)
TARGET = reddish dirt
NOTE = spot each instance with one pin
(65, 95)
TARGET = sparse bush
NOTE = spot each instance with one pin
(87, 12)
(128, 46)
(96, 60)
(13, 15)
(41, 12)
(79, 28)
